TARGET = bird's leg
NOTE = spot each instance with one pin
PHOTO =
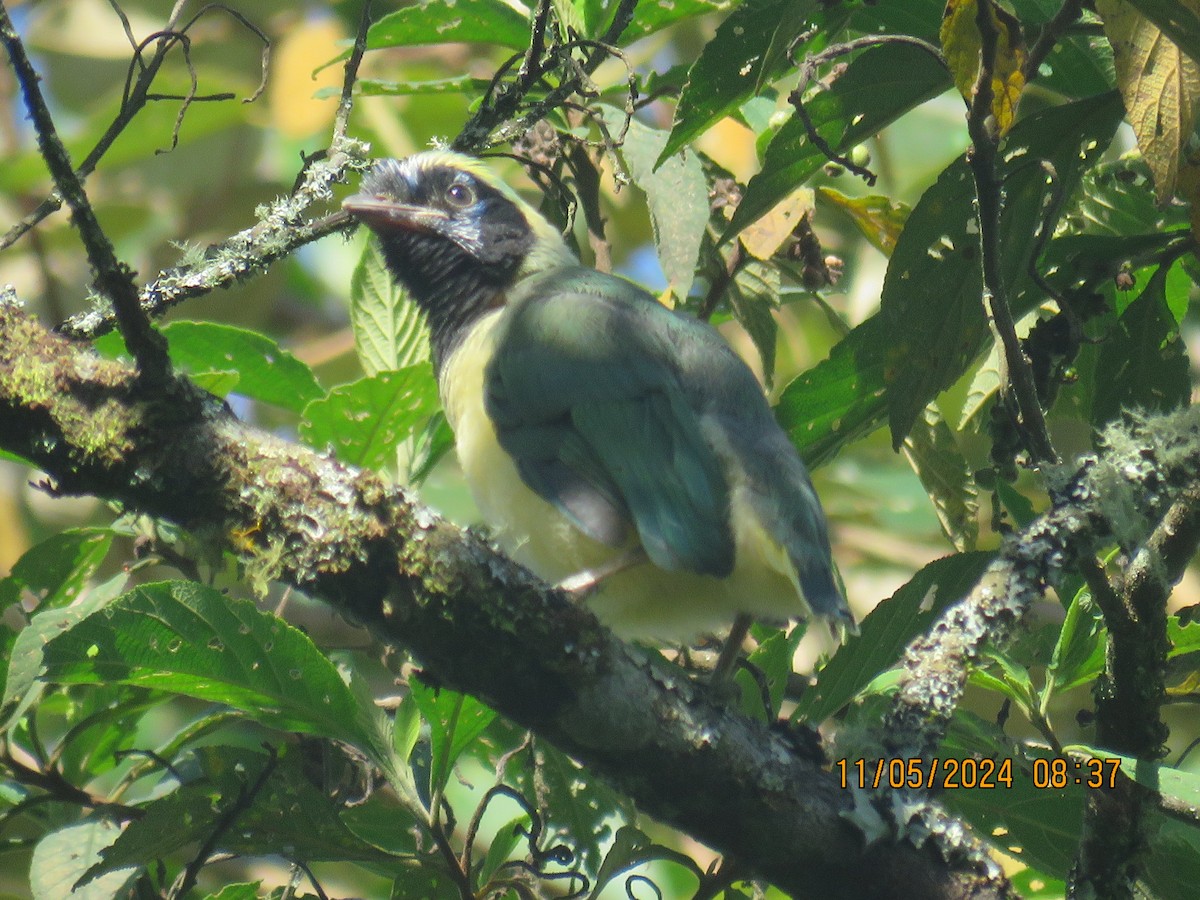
(582, 584)
(723, 671)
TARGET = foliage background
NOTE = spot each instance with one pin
(892, 513)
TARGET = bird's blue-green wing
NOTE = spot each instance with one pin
(584, 392)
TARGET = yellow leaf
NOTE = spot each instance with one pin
(767, 235)
(880, 219)
(294, 110)
(961, 44)
(1160, 86)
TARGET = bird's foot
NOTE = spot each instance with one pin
(723, 671)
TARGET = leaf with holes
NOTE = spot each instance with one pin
(1161, 88)
(366, 420)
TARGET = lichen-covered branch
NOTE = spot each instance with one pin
(475, 620)
(1129, 699)
(283, 226)
(1119, 496)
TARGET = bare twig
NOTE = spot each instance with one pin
(283, 225)
(984, 133)
(808, 70)
(720, 284)
(341, 120)
(1049, 37)
(138, 80)
(113, 278)
(226, 820)
(505, 113)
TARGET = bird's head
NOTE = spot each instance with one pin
(446, 224)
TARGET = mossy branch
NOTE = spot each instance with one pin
(476, 621)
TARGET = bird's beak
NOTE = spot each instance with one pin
(383, 212)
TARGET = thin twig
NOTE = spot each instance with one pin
(134, 97)
(225, 821)
(1049, 37)
(984, 133)
(282, 228)
(341, 120)
(113, 278)
(721, 283)
(808, 70)
(504, 113)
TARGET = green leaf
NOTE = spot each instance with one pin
(455, 721)
(880, 85)
(840, 399)
(266, 372)
(1015, 503)
(1080, 64)
(1183, 638)
(772, 663)
(451, 21)
(1013, 680)
(504, 842)
(754, 296)
(287, 811)
(57, 569)
(246, 890)
(406, 729)
(435, 441)
(879, 219)
(389, 330)
(677, 193)
(21, 686)
(1037, 825)
(378, 822)
(193, 640)
(581, 809)
(652, 17)
(932, 292)
(62, 856)
(220, 384)
(731, 66)
(1143, 363)
(886, 631)
(934, 455)
(370, 87)
(1034, 885)
(1079, 652)
(365, 421)
(1117, 199)
(631, 848)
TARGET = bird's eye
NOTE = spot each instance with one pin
(460, 194)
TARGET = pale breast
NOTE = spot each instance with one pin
(642, 602)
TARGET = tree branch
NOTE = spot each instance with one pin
(739, 785)
(113, 279)
(282, 228)
(985, 137)
(1129, 699)
(1117, 497)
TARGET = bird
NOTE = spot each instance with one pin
(617, 448)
